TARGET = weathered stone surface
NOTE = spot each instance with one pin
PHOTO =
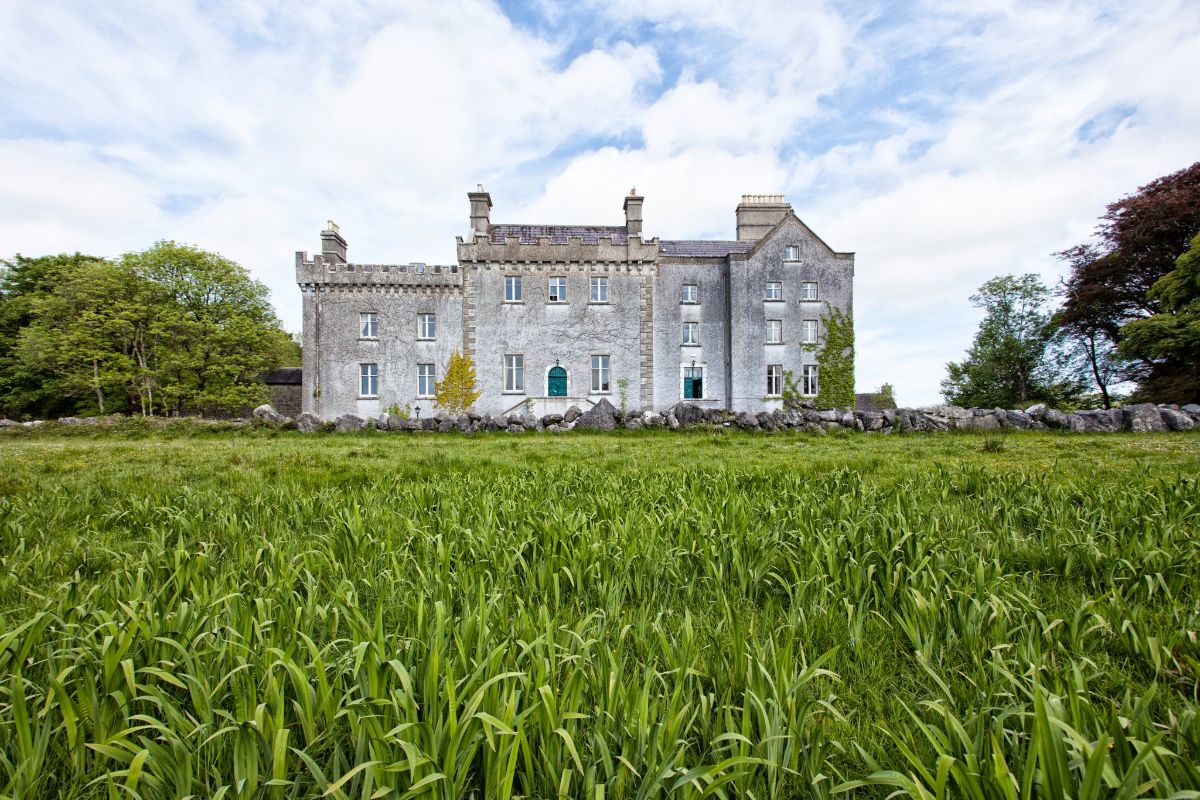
(1145, 418)
(428, 424)
(1192, 410)
(1017, 419)
(347, 423)
(889, 416)
(309, 423)
(654, 420)
(872, 420)
(601, 417)
(551, 419)
(1037, 411)
(33, 423)
(531, 423)
(746, 420)
(573, 413)
(634, 423)
(265, 413)
(672, 421)
(1053, 418)
(8, 423)
(1176, 420)
(516, 429)
(829, 415)
(1102, 420)
(980, 422)
(688, 413)
(445, 425)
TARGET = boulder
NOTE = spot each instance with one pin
(552, 419)
(428, 424)
(309, 422)
(573, 413)
(980, 422)
(654, 420)
(1145, 418)
(445, 425)
(672, 421)
(634, 423)
(69, 421)
(688, 413)
(1037, 411)
(871, 420)
(531, 423)
(1176, 420)
(746, 420)
(1102, 420)
(600, 417)
(1017, 419)
(848, 420)
(347, 423)
(265, 413)
(1192, 410)
(33, 423)
(8, 423)
(515, 429)
(829, 415)
(889, 417)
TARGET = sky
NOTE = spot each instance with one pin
(942, 141)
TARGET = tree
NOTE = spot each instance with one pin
(1012, 360)
(1109, 285)
(885, 397)
(456, 392)
(1172, 335)
(215, 329)
(24, 281)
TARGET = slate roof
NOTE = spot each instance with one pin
(287, 376)
(865, 401)
(558, 233)
(702, 247)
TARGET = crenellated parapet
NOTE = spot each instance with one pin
(613, 249)
(325, 273)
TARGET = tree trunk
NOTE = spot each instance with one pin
(96, 384)
(1094, 358)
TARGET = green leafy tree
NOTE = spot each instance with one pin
(885, 397)
(88, 339)
(215, 327)
(456, 392)
(835, 361)
(24, 391)
(1012, 360)
(1173, 334)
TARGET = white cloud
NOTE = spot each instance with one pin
(941, 142)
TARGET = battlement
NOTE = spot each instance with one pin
(320, 270)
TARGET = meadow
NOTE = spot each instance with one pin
(631, 615)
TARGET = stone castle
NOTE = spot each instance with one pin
(561, 315)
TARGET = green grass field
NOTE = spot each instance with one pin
(599, 616)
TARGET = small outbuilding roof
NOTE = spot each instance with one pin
(702, 247)
(285, 376)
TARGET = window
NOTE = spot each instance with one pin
(426, 380)
(808, 331)
(368, 380)
(808, 290)
(691, 333)
(599, 289)
(600, 374)
(791, 252)
(808, 383)
(368, 325)
(426, 326)
(558, 290)
(774, 331)
(774, 380)
(693, 383)
(774, 291)
(512, 289)
(514, 373)
(689, 294)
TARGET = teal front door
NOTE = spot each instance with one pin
(556, 383)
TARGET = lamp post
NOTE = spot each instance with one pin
(418, 410)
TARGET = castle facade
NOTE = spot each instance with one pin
(561, 315)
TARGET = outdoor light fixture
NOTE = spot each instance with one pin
(418, 410)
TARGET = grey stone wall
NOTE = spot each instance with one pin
(749, 273)
(670, 354)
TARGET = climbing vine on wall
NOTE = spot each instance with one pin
(835, 358)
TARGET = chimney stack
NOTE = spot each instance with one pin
(333, 246)
(758, 213)
(633, 213)
(481, 210)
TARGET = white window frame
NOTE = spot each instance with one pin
(514, 373)
(808, 331)
(556, 289)
(368, 324)
(791, 252)
(426, 327)
(807, 288)
(810, 380)
(691, 334)
(368, 380)
(512, 289)
(599, 288)
(776, 326)
(775, 380)
(601, 374)
(694, 293)
(773, 292)
(426, 380)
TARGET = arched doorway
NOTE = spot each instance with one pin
(556, 382)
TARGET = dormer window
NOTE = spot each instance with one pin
(791, 252)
